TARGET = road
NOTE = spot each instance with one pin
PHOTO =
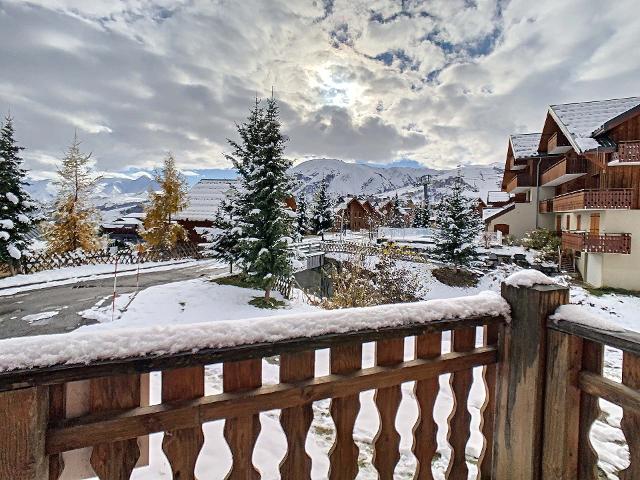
(70, 299)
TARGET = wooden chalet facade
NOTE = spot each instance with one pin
(355, 215)
(586, 177)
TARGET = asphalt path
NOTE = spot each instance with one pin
(70, 299)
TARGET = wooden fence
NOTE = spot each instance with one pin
(47, 261)
(541, 378)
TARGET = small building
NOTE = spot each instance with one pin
(124, 229)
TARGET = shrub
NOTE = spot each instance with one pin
(455, 277)
(545, 241)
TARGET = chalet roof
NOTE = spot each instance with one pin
(581, 121)
(497, 197)
(491, 213)
(205, 198)
(525, 145)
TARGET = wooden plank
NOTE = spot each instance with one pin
(57, 410)
(625, 340)
(630, 423)
(67, 373)
(386, 444)
(23, 426)
(592, 360)
(241, 432)
(488, 409)
(517, 446)
(182, 446)
(561, 412)
(296, 421)
(460, 419)
(114, 460)
(343, 455)
(425, 444)
(88, 430)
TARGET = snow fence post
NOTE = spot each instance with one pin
(520, 385)
(23, 426)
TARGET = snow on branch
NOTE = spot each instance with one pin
(529, 278)
(85, 347)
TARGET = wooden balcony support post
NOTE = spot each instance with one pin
(23, 425)
(517, 448)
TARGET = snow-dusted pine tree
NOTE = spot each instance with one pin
(75, 223)
(396, 219)
(421, 216)
(265, 226)
(16, 208)
(322, 217)
(302, 217)
(458, 226)
(160, 230)
(226, 235)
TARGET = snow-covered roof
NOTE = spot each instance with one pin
(204, 199)
(496, 197)
(579, 121)
(524, 145)
(490, 213)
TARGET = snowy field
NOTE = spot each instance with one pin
(200, 300)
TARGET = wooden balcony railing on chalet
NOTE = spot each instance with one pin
(611, 199)
(627, 152)
(545, 206)
(520, 180)
(563, 171)
(597, 243)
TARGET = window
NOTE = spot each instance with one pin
(568, 222)
(578, 222)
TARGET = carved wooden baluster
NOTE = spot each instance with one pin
(425, 444)
(242, 432)
(343, 455)
(296, 421)
(463, 340)
(630, 420)
(114, 460)
(592, 358)
(488, 410)
(57, 410)
(386, 444)
(183, 446)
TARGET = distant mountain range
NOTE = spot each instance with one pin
(117, 192)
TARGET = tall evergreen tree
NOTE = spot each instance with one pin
(75, 223)
(264, 226)
(159, 228)
(322, 217)
(17, 211)
(458, 226)
(397, 217)
(226, 238)
(421, 216)
(302, 217)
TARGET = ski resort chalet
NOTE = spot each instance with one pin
(580, 177)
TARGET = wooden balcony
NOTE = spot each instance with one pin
(520, 183)
(545, 206)
(612, 199)
(597, 243)
(627, 152)
(564, 171)
(540, 378)
(557, 145)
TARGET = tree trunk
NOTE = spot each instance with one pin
(267, 293)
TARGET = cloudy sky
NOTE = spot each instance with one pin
(441, 82)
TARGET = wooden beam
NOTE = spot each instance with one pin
(17, 379)
(89, 430)
(614, 392)
(625, 340)
(517, 452)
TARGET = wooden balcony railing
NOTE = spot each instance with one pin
(612, 199)
(521, 180)
(597, 243)
(627, 152)
(545, 206)
(541, 380)
(563, 171)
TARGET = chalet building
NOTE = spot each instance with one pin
(583, 181)
(124, 229)
(355, 215)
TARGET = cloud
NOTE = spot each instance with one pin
(438, 82)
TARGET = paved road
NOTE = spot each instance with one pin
(68, 300)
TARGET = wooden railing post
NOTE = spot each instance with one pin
(23, 426)
(517, 450)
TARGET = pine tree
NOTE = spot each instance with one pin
(159, 228)
(17, 211)
(302, 219)
(421, 216)
(322, 217)
(264, 225)
(397, 218)
(458, 226)
(226, 239)
(75, 223)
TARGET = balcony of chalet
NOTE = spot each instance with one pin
(597, 243)
(520, 183)
(567, 169)
(540, 379)
(610, 199)
(557, 144)
(627, 152)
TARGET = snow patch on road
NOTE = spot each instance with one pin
(41, 318)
